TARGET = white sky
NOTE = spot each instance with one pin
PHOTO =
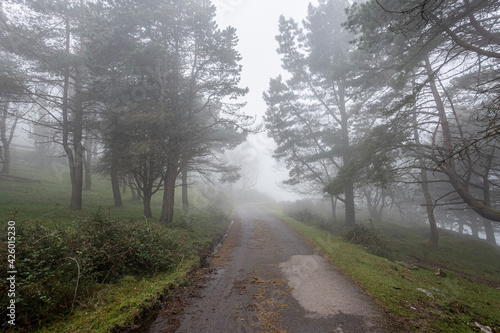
(256, 22)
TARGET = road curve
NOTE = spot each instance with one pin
(267, 278)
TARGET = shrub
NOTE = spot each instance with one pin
(308, 212)
(54, 266)
(368, 237)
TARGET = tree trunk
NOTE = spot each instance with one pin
(5, 159)
(461, 228)
(75, 154)
(490, 232)
(448, 166)
(167, 212)
(429, 206)
(146, 201)
(88, 163)
(77, 182)
(424, 183)
(6, 140)
(133, 190)
(373, 204)
(115, 182)
(350, 209)
(474, 229)
(77, 188)
(185, 200)
(333, 203)
(381, 205)
(488, 227)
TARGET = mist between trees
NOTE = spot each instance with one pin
(393, 106)
(387, 105)
(149, 88)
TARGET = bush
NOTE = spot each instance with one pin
(54, 266)
(309, 212)
(369, 238)
(116, 248)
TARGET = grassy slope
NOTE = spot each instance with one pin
(457, 303)
(33, 194)
(122, 304)
(43, 194)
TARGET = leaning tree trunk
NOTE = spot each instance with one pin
(424, 183)
(448, 166)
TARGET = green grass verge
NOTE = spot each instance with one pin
(122, 304)
(456, 305)
(42, 193)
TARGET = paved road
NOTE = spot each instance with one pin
(270, 279)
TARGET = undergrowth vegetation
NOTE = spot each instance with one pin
(312, 212)
(369, 238)
(59, 269)
(104, 263)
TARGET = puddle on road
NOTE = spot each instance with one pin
(319, 290)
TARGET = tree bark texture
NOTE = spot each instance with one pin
(146, 200)
(167, 213)
(6, 139)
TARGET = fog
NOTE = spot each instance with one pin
(362, 119)
(257, 26)
(136, 135)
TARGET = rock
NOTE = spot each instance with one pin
(441, 291)
(440, 273)
(427, 292)
(485, 329)
(406, 265)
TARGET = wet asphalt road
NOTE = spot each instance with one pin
(267, 278)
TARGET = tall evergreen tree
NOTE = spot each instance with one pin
(172, 61)
(432, 50)
(52, 44)
(310, 115)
